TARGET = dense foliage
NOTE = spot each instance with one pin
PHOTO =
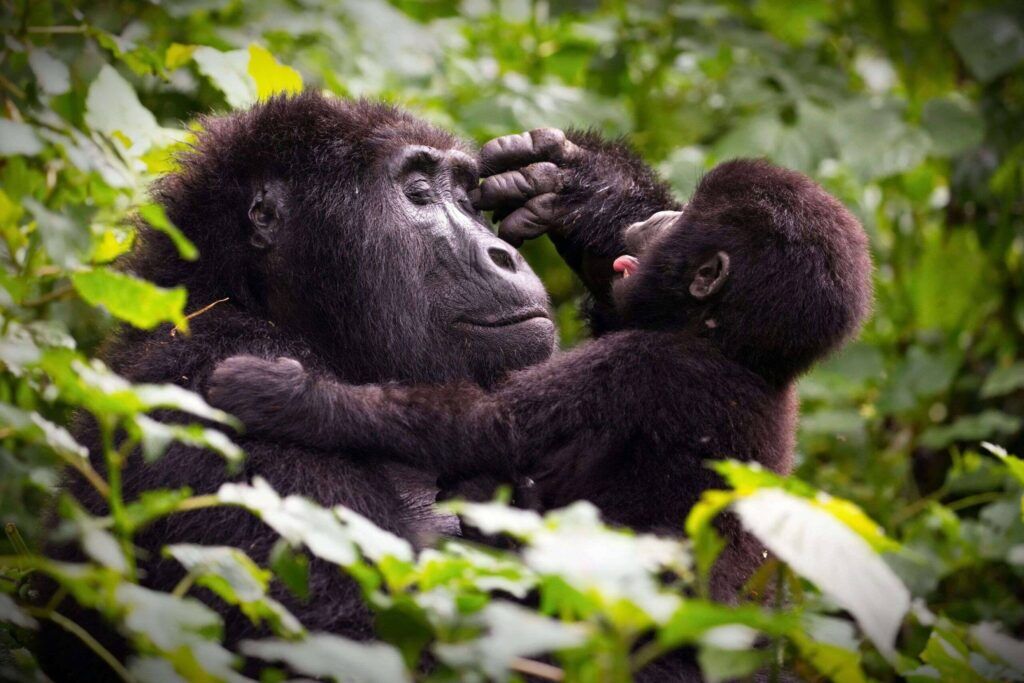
(912, 112)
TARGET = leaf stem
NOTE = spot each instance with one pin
(532, 667)
(93, 644)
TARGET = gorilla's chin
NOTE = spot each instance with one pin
(495, 350)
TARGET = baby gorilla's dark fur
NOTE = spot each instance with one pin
(762, 274)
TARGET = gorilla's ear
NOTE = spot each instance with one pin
(710, 276)
(265, 214)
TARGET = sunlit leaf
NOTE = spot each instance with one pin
(825, 551)
(333, 657)
(271, 77)
(155, 216)
(12, 614)
(136, 301)
(229, 71)
(52, 74)
(18, 138)
(510, 631)
(113, 108)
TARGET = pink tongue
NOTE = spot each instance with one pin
(626, 265)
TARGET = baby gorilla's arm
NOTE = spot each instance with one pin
(455, 431)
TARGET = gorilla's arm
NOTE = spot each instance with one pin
(453, 431)
(577, 187)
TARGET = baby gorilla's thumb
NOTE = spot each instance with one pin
(255, 389)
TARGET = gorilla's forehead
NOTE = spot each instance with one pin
(418, 156)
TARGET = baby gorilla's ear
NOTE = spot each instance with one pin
(710, 276)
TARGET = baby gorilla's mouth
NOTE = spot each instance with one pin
(626, 265)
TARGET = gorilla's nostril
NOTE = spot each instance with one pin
(502, 258)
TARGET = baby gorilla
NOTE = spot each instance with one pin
(722, 307)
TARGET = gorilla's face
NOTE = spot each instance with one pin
(482, 302)
(397, 276)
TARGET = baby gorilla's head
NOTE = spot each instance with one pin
(762, 262)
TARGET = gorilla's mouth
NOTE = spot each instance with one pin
(626, 265)
(506, 319)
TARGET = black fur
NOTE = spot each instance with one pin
(628, 421)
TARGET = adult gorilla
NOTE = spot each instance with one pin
(342, 234)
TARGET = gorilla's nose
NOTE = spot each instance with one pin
(503, 257)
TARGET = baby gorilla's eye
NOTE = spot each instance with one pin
(418, 191)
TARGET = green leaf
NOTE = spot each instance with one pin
(51, 73)
(694, 618)
(178, 55)
(18, 138)
(835, 663)
(954, 124)
(229, 72)
(271, 77)
(234, 577)
(1002, 381)
(157, 436)
(991, 42)
(824, 550)
(152, 505)
(510, 631)
(296, 519)
(65, 237)
(113, 108)
(155, 216)
(291, 568)
(988, 424)
(330, 656)
(720, 665)
(12, 614)
(128, 298)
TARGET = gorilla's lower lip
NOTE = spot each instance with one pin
(505, 320)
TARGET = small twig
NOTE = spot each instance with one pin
(91, 475)
(58, 293)
(14, 536)
(198, 313)
(532, 667)
(93, 644)
(57, 29)
(183, 585)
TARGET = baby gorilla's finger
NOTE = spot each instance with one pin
(532, 220)
(513, 151)
(514, 188)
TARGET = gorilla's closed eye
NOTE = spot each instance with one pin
(419, 192)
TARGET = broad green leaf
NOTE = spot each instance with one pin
(510, 631)
(296, 519)
(989, 424)
(827, 552)
(178, 55)
(18, 138)
(497, 518)
(333, 657)
(990, 41)
(135, 301)
(1004, 380)
(954, 124)
(51, 73)
(65, 237)
(950, 657)
(36, 429)
(113, 108)
(375, 543)
(167, 621)
(1013, 463)
(151, 505)
(229, 71)
(719, 665)
(694, 618)
(12, 614)
(157, 436)
(101, 546)
(155, 216)
(271, 77)
(291, 568)
(234, 577)
(835, 663)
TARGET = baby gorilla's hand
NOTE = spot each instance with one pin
(264, 394)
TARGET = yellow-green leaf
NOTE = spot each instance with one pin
(271, 76)
(178, 55)
(135, 301)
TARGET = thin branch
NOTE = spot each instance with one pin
(57, 29)
(198, 313)
(93, 644)
(58, 293)
(532, 667)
